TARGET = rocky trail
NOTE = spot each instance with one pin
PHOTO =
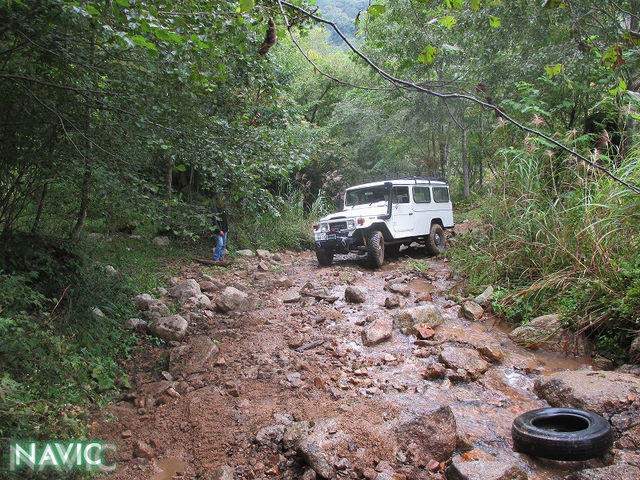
(275, 368)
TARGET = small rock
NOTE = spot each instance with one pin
(136, 324)
(161, 241)
(272, 434)
(110, 269)
(611, 472)
(263, 266)
(209, 287)
(142, 301)
(424, 297)
(232, 299)
(634, 351)
(433, 371)
(484, 297)
(491, 353)
(193, 357)
(126, 434)
(377, 331)
(245, 253)
(433, 432)
(291, 296)
(160, 291)
(392, 302)
(225, 472)
(172, 327)
(142, 450)
(424, 331)
(263, 254)
(464, 358)
(548, 332)
(483, 470)
(283, 282)
(276, 257)
(309, 474)
(354, 295)
(401, 288)
(185, 290)
(428, 314)
(173, 281)
(602, 363)
(471, 310)
(97, 312)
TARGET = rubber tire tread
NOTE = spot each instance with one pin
(375, 254)
(432, 248)
(325, 257)
(593, 441)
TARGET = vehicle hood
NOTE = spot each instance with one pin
(358, 211)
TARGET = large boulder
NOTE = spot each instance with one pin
(377, 331)
(467, 359)
(185, 290)
(634, 351)
(142, 301)
(354, 295)
(233, 299)
(433, 431)
(161, 241)
(462, 469)
(193, 357)
(611, 472)
(428, 314)
(600, 391)
(549, 333)
(169, 328)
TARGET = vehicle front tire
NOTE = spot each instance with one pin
(566, 434)
(325, 257)
(375, 248)
(437, 241)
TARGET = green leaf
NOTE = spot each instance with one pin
(428, 55)
(448, 22)
(143, 42)
(494, 22)
(454, 4)
(92, 10)
(376, 10)
(246, 5)
(621, 88)
(551, 4)
(180, 168)
(613, 57)
(553, 70)
(475, 5)
(123, 3)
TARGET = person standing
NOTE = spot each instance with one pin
(221, 219)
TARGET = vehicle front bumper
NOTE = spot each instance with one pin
(339, 242)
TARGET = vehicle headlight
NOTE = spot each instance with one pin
(351, 224)
(324, 227)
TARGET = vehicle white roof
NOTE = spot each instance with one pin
(403, 181)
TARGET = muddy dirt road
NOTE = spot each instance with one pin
(288, 389)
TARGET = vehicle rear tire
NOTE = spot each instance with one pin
(392, 251)
(325, 257)
(436, 241)
(566, 434)
(375, 248)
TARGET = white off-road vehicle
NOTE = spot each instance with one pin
(378, 217)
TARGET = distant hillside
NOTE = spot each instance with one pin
(343, 14)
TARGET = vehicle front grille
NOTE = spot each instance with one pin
(335, 226)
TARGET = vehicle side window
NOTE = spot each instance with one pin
(400, 194)
(440, 194)
(421, 195)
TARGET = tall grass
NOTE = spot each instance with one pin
(563, 238)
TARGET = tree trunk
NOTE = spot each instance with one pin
(465, 165)
(169, 183)
(43, 197)
(84, 200)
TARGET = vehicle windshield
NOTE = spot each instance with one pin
(366, 195)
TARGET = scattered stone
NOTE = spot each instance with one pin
(233, 389)
(463, 442)
(97, 312)
(428, 314)
(599, 391)
(283, 282)
(460, 469)
(611, 472)
(200, 300)
(263, 266)
(401, 288)
(126, 434)
(471, 310)
(143, 450)
(161, 241)
(225, 472)
(377, 331)
(433, 371)
(245, 253)
(136, 324)
(95, 237)
(392, 302)
(110, 269)
(548, 332)
(464, 358)
(424, 331)
(160, 291)
(626, 429)
(491, 353)
(276, 257)
(354, 295)
(634, 351)
(193, 357)
(484, 297)
(263, 254)
(433, 432)
(232, 299)
(424, 297)
(602, 363)
(272, 434)
(185, 290)
(309, 474)
(173, 281)
(291, 296)
(207, 286)
(142, 301)
(168, 328)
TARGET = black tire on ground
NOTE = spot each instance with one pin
(375, 248)
(566, 434)
(436, 241)
(325, 257)
(392, 251)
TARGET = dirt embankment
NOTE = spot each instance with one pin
(296, 381)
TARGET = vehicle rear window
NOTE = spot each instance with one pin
(421, 195)
(440, 194)
(400, 194)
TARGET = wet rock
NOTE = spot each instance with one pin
(377, 331)
(483, 470)
(354, 295)
(263, 254)
(428, 314)
(291, 296)
(547, 332)
(433, 371)
(143, 450)
(309, 475)
(484, 297)
(612, 472)
(491, 353)
(634, 351)
(424, 297)
(424, 331)
(225, 472)
(433, 432)
(161, 241)
(193, 357)
(626, 429)
(392, 302)
(471, 310)
(187, 289)
(602, 363)
(136, 324)
(463, 442)
(600, 391)
(464, 358)
(401, 288)
(232, 299)
(270, 435)
(169, 328)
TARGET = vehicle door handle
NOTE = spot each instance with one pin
(411, 213)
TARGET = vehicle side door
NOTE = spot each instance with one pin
(402, 211)
(422, 209)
